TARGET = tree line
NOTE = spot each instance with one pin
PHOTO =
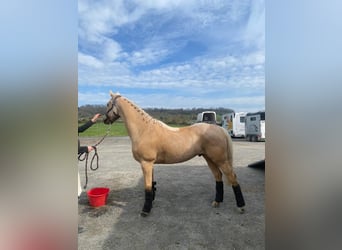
(169, 116)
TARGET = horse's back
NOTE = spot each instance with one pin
(209, 130)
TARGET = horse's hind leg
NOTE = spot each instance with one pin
(154, 189)
(219, 183)
(231, 176)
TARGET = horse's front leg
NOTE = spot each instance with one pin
(147, 168)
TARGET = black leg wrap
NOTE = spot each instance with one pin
(154, 189)
(240, 202)
(148, 202)
(219, 191)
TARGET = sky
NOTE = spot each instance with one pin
(173, 53)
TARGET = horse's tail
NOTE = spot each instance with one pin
(229, 147)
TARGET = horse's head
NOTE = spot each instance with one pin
(112, 113)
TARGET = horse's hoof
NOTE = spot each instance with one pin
(144, 214)
(241, 210)
(215, 204)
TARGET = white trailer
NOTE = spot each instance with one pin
(207, 116)
(255, 126)
(234, 123)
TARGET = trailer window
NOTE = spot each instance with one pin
(262, 116)
(242, 119)
(253, 118)
(208, 117)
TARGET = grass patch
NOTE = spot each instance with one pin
(100, 129)
(117, 129)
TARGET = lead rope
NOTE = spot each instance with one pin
(85, 155)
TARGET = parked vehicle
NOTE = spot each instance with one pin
(234, 123)
(255, 126)
(207, 116)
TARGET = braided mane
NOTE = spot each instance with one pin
(147, 117)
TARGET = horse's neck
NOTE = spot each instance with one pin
(135, 118)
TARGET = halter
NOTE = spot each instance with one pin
(116, 116)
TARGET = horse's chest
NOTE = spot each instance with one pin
(144, 152)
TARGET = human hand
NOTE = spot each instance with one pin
(95, 117)
(90, 148)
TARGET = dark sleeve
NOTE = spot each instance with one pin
(82, 149)
(85, 126)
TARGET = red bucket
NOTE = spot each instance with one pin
(98, 196)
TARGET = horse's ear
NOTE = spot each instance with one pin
(112, 94)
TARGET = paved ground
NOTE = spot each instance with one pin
(182, 216)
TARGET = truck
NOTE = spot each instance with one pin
(255, 126)
(234, 123)
(207, 116)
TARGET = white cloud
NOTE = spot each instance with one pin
(100, 98)
(163, 4)
(254, 32)
(89, 61)
(96, 19)
(149, 55)
(249, 104)
(156, 30)
(223, 72)
(99, 18)
(111, 50)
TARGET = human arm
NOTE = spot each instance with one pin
(85, 126)
(88, 124)
(95, 117)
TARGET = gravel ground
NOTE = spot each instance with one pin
(182, 216)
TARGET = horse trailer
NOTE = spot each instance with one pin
(255, 126)
(234, 123)
(207, 116)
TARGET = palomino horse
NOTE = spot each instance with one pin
(155, 142)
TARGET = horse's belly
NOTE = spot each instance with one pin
(169, 158)
(172, 160)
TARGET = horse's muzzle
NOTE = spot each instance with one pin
(106, 121)
(109, 120)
